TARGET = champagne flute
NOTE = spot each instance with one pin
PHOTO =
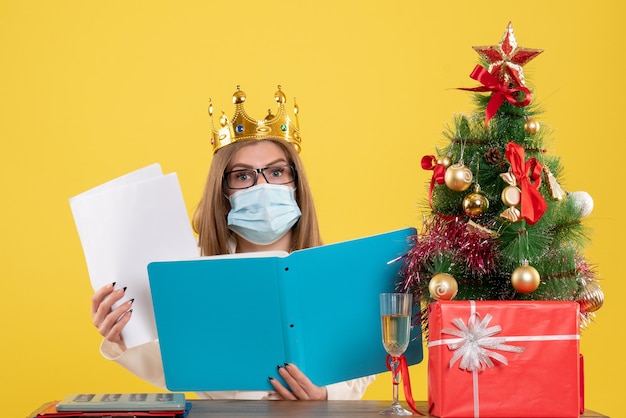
(395, 314)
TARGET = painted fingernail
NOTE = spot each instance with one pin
(113, 284)
(287, 364)
(132, 301)
(270, 378)
(279, 367)
(124, 289)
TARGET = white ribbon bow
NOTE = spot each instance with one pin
(476, 342)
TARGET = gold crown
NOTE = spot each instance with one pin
(244, 127)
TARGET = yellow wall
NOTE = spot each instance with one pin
(91, 90)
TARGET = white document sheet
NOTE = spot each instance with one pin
(125, 224)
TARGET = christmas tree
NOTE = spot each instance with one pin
(499, 225)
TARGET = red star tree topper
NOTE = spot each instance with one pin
(506, 59)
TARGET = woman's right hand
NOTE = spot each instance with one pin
(110, 322)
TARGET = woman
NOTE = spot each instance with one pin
(256, 198)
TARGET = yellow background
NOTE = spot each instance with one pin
(91, 90)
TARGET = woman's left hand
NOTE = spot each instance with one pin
(300, 387)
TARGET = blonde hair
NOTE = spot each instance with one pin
(209, 218)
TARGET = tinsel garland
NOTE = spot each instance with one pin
(451, 239)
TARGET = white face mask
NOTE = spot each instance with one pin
(264, 213)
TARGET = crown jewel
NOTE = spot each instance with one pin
(243, 127)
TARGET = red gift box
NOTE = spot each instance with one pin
(497, 359)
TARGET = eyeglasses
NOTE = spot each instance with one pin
(248, 177)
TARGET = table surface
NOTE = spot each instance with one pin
(327, 409)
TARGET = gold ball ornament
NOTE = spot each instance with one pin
(475, 204)
(445, 161)
(592, 298)
(531, 126)
(443, 286)
(525, 279)
(458, 177)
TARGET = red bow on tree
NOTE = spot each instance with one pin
(528, 176)
(429, 162)
(501, 92)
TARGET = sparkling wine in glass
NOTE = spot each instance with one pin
(395, 315)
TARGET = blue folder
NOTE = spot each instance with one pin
(227, 322)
